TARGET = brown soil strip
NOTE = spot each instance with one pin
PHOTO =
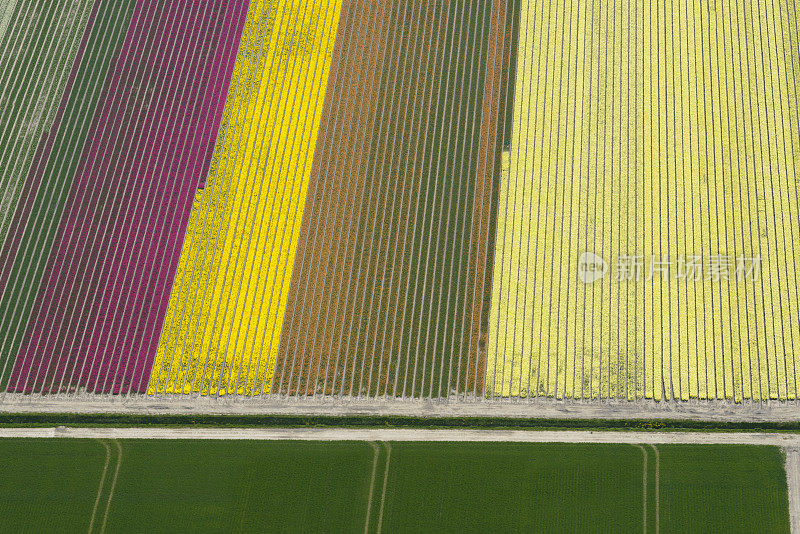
(487, 184)
(337, 172)
(377, 297)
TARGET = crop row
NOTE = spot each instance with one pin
(379, 301)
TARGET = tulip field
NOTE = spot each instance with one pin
(660, 139)
(84, 291)
(388, 201)
(156, 485)
(222, 327)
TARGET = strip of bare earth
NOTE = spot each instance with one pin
(718, 414)
(793, 481)
(394, 434)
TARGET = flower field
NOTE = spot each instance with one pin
(487, 200)
(96, 313)
(649, 134)
(29, 238)
(30, 60)
(223, 324)
(380, 301)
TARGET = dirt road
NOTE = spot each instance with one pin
(789, 441)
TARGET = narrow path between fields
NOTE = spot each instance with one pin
(397, 434)
(793, 481)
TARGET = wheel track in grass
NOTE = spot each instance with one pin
(644, 485)
(111, 484)
(658, 486)
(385, 483)
(371, 484)
(102, 483)
(793, 483)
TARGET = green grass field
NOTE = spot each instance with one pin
(246, 486)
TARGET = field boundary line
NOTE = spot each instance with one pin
(789, 441)
(102, 483)
(19, 403)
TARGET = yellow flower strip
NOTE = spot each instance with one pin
(224, 320)
(655, 130)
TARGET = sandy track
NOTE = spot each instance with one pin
(380, 434)
(160, 405)
(793, 481)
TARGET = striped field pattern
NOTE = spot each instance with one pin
(34, 71)
(223, 326)
(30, 235)
(97, 313)
(665, 131)
(395, 199)
(377, 304)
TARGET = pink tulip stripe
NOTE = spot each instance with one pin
(99, 311)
